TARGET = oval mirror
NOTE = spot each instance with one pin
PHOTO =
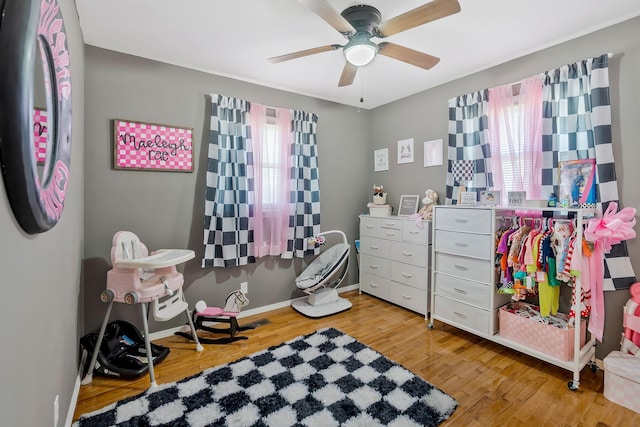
(32, 35)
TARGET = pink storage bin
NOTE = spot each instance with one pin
(622, 379)
(547, 339)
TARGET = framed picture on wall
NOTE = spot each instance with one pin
(151, 146)
(433, 153)
(405, 151)
(381, 160)
(408, 205)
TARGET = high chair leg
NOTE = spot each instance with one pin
(147, 343)
(89, 377)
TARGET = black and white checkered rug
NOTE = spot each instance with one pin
(323, 379)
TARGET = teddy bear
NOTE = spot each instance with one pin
(429, 201)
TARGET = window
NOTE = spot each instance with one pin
(515, 136)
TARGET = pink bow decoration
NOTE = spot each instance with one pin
(605, 232)
(612, 228)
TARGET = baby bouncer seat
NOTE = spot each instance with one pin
(319, 279)
(138, 277)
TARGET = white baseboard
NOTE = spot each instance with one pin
(76, 390)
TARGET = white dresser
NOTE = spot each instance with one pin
(395, 260)
(464, 292)
(463, 269)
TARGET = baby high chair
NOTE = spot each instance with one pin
(315, 280)
(138, 277)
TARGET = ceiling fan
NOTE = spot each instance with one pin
(360, 23)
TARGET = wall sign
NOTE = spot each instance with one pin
(150, 146)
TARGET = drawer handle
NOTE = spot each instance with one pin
(407, 253)
(373, 285)
(460, 315)
(407, 275)
(390, 234)
(371, 226)
(461, 267)
(464, 221)
(374, 266)
(460, 291)
(461, 245)
(374, 247)
(406, 296)
(390, 224)
(414, 232)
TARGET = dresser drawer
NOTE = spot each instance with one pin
(391, 233)
(411, 232)
(461, 219)
(472, 293)
(393, 223)
(460, 314)
(467, 244)
(411, 275)
(375, 246)
(411, 298)
(374, 285)
(409, 253)
(369, 226)
(374, 265)
(478, 270)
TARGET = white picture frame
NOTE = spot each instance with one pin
(516, 198)
(381, 160)
(468, 198)
(408, 205)
(405, 151)
(490, 198)
(433, 153)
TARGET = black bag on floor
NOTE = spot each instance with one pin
(122, 353)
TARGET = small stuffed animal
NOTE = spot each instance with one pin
(429, 201)
(379, 196)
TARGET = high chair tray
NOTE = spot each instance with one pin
(159, 259)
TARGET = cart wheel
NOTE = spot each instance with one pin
(131, 298)
(573, 385)
(107, 296)
(594, 367)
(430, 325)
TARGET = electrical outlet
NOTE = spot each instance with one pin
(244, 287)
(56, 411)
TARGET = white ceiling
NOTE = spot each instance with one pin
(234, 38)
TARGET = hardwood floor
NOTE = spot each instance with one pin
(494, 386)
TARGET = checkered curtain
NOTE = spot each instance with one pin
(577, 125)
(469, 153)
(228, 238)
(304, 219)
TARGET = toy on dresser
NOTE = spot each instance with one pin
(430, 200)
(379, 207)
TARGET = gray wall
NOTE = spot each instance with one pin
(41, 276)
(424, 117)
(166, 209)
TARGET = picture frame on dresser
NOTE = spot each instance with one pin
(408, 205)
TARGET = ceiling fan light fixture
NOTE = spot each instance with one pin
(360, 51)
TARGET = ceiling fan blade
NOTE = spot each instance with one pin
(302, 53)
(431, 11)
(348, 74)
(324, 10)
(407, 55)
